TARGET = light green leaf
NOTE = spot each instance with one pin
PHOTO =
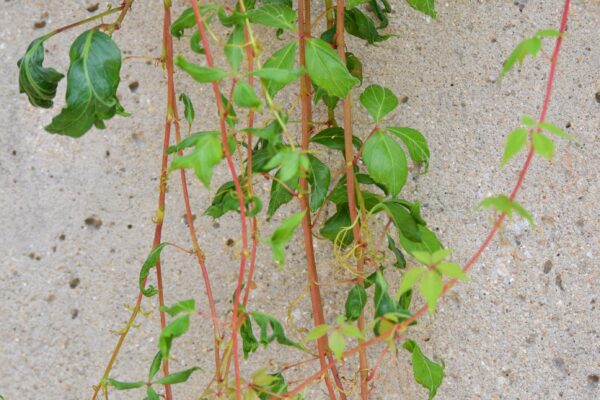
(92, 83)
(527, 120)
(431, 289)
(233, 48)
(523, 213)
(351, 330)
(385, 162)
(198, 73)
(378, 101)
(189, 141)
(337, 344)
(514, 143)
(188, 110)
(409, 280)
(274, 15)
(317, 332)
(548, 33)
(319, 178)
(355, 302)
(150, 263)
(415, 143)
(282, 235)
(326, 69)
(279, 75)
(119, 385)
(425, 6)
(173, 330)
(244, 96)
(530, 46)
(177, 377)
(503, 204)
(184, 306)
(151, 394)
(279, 194)
(291, 163)
(38, 82)
(155, 366)
(543, 145)
(282, 59)
(427, 373)
(555, 130)
(452, 270)
(205, 156)
(382, 301)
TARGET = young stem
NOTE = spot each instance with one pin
(82, 22)
(315, 292)
(240, 197)
(351, 191)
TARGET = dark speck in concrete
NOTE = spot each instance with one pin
(547, 266)
(559, 282)
(93, 222)
(593, 380)
(74, 313)
(598, 97)
(73, 283)
(230, 242)
(133, 86)
(93, 8)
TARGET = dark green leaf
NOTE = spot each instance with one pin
(383, 303)
(425, 6)
(173, 330)
(334, 138)
(271, 132)
(280, 195)
(177, 377)
(381, 11)
(359, 25)
(354, 66)
(415, 143)
(319, 178)
(429, 242)
(427, 373)
(92, 83)
(326, 69)
(385, 162)
(403, 220)
(378, 101)
(284, 59)
(264, 321)
(187, 19)
(196, 43)
(198, 73)
(233, 48)
(274, 15)
(249, 342)
(206, 155)
(355, 302)
(338, 222)
(119, 385)
(150, 263)
(282, 235)
(235, 18)
(277, 386)
(224, 201)
(188, 110)
(400, 260)
(38, 82)
(151, 394)
(155, 366)
(261, 158)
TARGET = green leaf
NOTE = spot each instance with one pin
(249, 342)
(415, 143)
(270, 132)
(319, 178)
(274, 15)
(151, 394)
(336, 223)
(37, 82)
(291, 163)
(279, 75)
(317, 332)
(198, 73)
(378, 101)
(333, 138)
(431, 289)
(177, 377)
(427, 373)
(187, 19)
(350, 4)
(514, 143)
(155, 366)
(282, 59)
(337, 344)
(527, 120)
(189, 141)
(233, 48)
(530, 46)
(452, 270)
(385, 162)
(173, 330)
(358, 24)
(235, 18)
(523, 213)
(351, 330)
(382, 301)
(264, 321)
(276, 385)
(326, 69)
(429, 242)
(425, 6)
(279, 194)
(188, 110)
(282, 235)
(409, 280)
(503, 204)
(403, 220)
(381, 11)
(92, 83)
(224, 201)
(354, 66)
(355, 302)
(150, 263)
(245, 96)
(119, 385)
(400, 260)
(555, 130)
(184, 306)
(196, 43)
(548, 33)
(205, 156)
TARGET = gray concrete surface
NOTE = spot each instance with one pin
(526, 327)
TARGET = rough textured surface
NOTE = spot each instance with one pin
(77, 214)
